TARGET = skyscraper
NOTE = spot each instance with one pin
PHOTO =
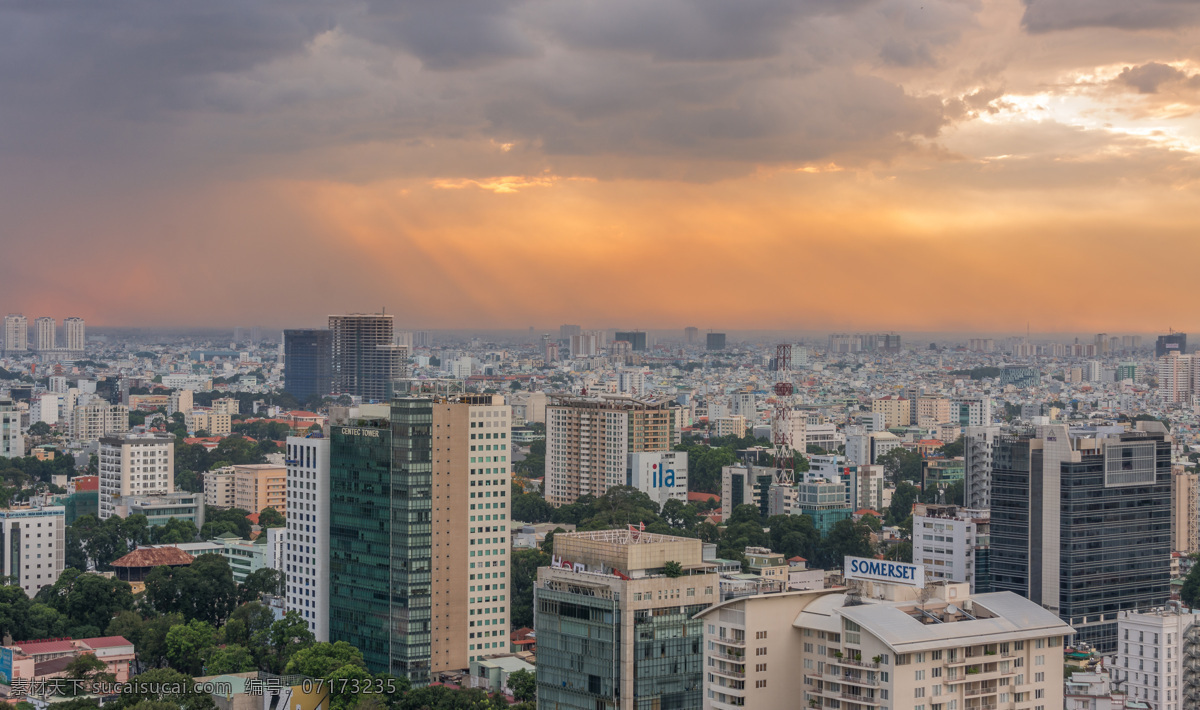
(714, 341)
(1172, 342)
(418, 534)
(12, 442)
(690, 334)
(1082, 526)
(306, 543)
(635, 338)
(16, 333)
(74, 335)
(45, 333)
(359, 366)
(1175, 377)
(307, 369)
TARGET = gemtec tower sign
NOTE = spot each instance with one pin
(885, 571)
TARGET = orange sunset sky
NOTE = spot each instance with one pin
(917, 165)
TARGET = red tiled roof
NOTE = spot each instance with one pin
(797, 558)
(867, 511)
(253, 517)
(696, 497)
(106, 641)
(155, 557)
(34, 648)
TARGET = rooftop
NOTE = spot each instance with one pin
(155, 557)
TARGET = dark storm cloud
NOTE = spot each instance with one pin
(1147, 78)
(1051, 15)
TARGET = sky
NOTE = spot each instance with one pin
(913, 165)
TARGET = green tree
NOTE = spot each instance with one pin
(900, 552)
(86, 599)
(901, 464)
(165, 685)
(954, 448)
(286, 637)
(174, 531)
(203, 590)
(793, 535)
(903, 499)
(230, 658)
(523, 566)
(260, 582)
(270, 518)
(321, 660)
(86, 671)
(846, 539)
(188, 644)
(1189, 593)
(523, 685)
(671, 568)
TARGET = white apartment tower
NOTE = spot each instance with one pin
(306, 545)
(1175, 377)
(74, 335)
(16, 333)
(91, 421)
(33, 545)
(12, 442)
(948, 540)
(135, 464)
(1150, 657)
(45, 331)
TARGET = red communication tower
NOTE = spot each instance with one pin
(782, 424)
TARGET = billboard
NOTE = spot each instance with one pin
(6, 665)
(885, 571)
(662, 475)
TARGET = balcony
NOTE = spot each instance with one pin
(727, 673)
(728, 657)
(851, 662)
(729, 641)
(855, 680)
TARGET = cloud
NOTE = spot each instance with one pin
(1054, 15)
(1147, 78)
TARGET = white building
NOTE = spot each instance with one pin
(631, 382)
(971, 411)
(74, 334)
(96, 419)
(45, 331)
(135, 465)
(306, 546)
(813, 649)
(179, 381)
(742, 405)
(34, 545)
(16, 333)
(948, 540)
(58, 384)
(1150, 656)
(662, 475)
(220, 487)
(12, 442)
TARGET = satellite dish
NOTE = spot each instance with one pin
(951, 609)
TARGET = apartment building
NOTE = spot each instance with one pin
(827, 649)
(90, 422)
(12, 441)
(1151, 659)
(258, 486)
(219, 488)
(33, 545)
(895, 410)
(209, 420)
(305, 564)
(953, 544)
(589, 439)
(135, 465)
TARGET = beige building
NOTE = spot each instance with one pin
(896, 411)
(589, 439)
(179, 401)
(930, 411)
(259, 485)
(1185, 516)
(471, 462)
(219, 488)
(986, 652)
(614, 629)
(209, 420)
(134, 465)
(730, 426)
(226, 405)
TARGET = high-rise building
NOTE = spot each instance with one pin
(179, 401)
(220, 487)
(12, 442)
(74, 334)
(1175, 377)
(135, 465)
(953, 543)
(1151, 657)
(824, 502)
(585, 344)
(1170, 343)
(631, 381)
(1082, 526)
(33, 545)
(419, 534)
(896, 410)
(566, 332)
(45, 330)
(614, 630)
(635, 338)
(951, 650)
(307, 367)
(16, 333)
(589, 439)
(971, 411)
(363, 360)
(714, 341)
(306, 545)
(978, 442)
(98, 418)
(690, 334)
(1185, 511)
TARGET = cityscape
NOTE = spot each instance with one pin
(366, 516)
(622, 355)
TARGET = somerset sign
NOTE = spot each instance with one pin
(885, 571)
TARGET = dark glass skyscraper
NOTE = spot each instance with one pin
(1173, 342)
(380, 538)
(364, 360)
(306, 363)
(1083, 526)
(714, 341)
(635, 338)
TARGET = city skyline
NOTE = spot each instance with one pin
(913, 165)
